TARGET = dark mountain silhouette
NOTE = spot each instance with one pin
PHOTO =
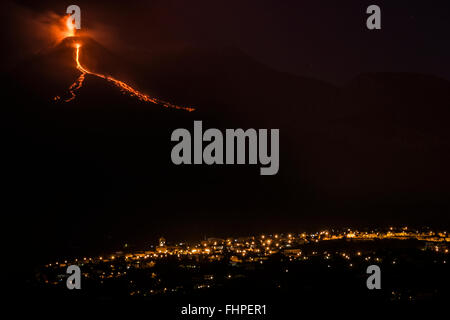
(229, 78)
(373, 151)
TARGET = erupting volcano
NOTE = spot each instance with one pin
(125, 88)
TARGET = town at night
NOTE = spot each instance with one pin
(279, 262)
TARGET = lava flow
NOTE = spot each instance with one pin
(120, 84)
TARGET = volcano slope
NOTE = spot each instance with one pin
(372, 151)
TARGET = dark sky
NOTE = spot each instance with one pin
(322, 39)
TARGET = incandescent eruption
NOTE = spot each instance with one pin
(125, 88)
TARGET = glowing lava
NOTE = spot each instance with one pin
(120, 84)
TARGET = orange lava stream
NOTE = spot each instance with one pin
(75, 86)
(122, 85)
